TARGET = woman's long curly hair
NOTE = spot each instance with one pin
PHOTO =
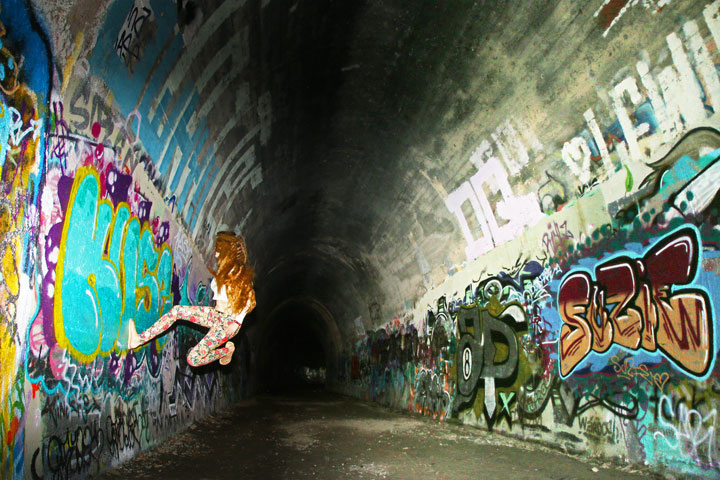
(234, 272)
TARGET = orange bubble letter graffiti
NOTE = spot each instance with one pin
(635, 303)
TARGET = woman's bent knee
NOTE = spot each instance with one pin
(193, 360)
(196, 356)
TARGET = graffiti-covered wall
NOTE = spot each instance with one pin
(586, 311)
(538, 252)
(88, 243)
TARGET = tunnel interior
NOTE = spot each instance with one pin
(294, 353)
(498, 213)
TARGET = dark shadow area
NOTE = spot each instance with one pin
(293, 356)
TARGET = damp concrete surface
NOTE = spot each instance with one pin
(319, 435)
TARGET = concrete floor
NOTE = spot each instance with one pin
(325, 436)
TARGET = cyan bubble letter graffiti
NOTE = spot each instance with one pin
(108, 272)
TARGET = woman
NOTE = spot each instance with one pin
(234, 299)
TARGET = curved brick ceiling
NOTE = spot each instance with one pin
(333, 133)
(353, 90)
(342, 106)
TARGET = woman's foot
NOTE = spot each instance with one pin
(228, 356)
(134, 339)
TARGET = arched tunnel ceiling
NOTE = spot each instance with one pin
(339, 127)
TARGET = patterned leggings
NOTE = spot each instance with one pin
(206, 351)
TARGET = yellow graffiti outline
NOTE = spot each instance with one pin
(153, 273)
(8, 375)
(122, 274)
(80, 175)
(121, 271)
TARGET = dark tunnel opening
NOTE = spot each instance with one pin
(294, 354)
